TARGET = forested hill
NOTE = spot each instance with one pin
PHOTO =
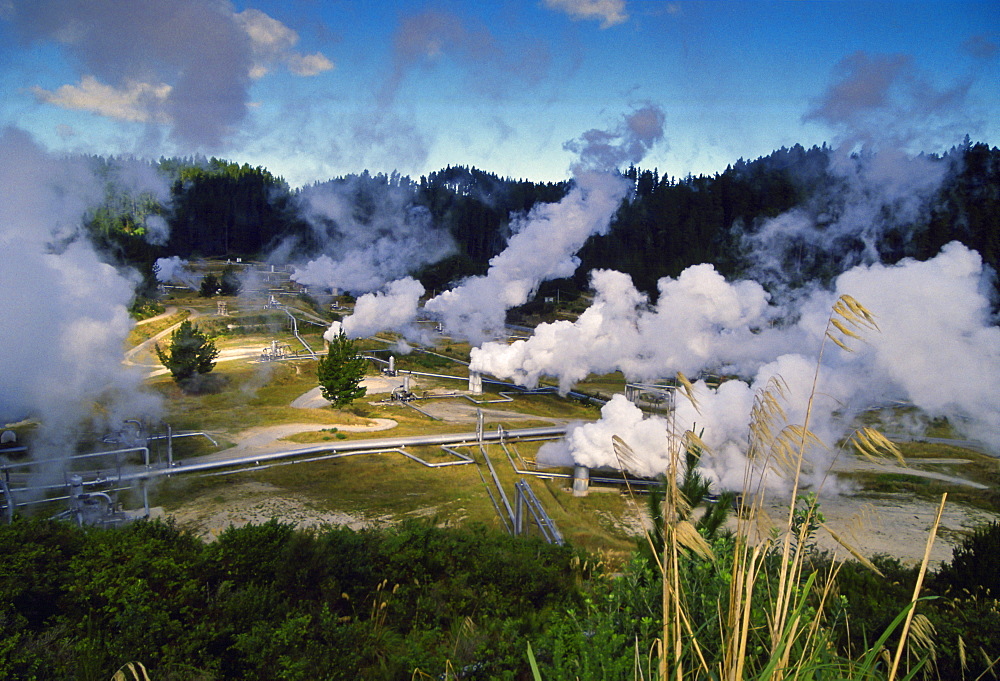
(672, 223)
(217, 208)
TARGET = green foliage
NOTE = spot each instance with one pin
(694, 490)
(424, 360)
(209, 286)
(806, 520)
(129, 227)
(221, 208)
(33, 591)
(272, 602)
(609, 634)
(144, 308)
(975, 565)
(340, 373)
(191, 353)
(229, 281)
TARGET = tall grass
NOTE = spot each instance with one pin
(775, 622)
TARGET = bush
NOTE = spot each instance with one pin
(974, 566)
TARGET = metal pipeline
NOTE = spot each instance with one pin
(463, 460)
(8, 498)
(33, 462)
(638, 482)
(359, 446)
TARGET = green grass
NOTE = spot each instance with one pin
(375, 485)
(143, 332)
(603, 385)
(965, 464)
(389, 485)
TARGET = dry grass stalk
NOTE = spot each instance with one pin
(858, 556)
(797, 637)
(916, 589)
(874, 446)
(990, 664)
(846, 312)
(687, 388)
(135, 669)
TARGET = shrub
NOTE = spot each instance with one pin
(974, 566)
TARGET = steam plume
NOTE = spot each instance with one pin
(389, 309)
(843, 225)
(934, 315)
(176, 269)
(544, 247)
(937, 350)
(64, 310)
(545, 242)
(365, 247)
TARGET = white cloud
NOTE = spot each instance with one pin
(272, 41)
(137, 102)
(188, 64)
(610, 12)
(308, 64)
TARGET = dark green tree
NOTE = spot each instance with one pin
(209, 286)
(229, 281)
(341, 371)
(191, 353)
(975, 565)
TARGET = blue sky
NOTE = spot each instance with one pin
(312, 89)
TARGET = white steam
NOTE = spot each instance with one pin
(700, 321)
(543, 248)
(175, 270)
(937, 349)
(388, 309)
(370, 234)
(64, 311)
(546, 241)
(843, 225)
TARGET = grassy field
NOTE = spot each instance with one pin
(944, 459)
(143, 332)
(246, 394)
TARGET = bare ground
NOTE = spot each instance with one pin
(894, 525)
(256, 503)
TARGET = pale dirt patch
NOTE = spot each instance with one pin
(256, 503)
(269, 439)
(376, 385)
(887, 524)
(451, 406)
(893, 525)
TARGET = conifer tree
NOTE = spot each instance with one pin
(341, 371)
(191, 352)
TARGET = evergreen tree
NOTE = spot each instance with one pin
(209, 286)
(191, 353)
(341, 371)
(229, 282)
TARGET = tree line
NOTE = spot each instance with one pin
(218, 208)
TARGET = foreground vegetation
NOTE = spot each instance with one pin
(273, 602)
